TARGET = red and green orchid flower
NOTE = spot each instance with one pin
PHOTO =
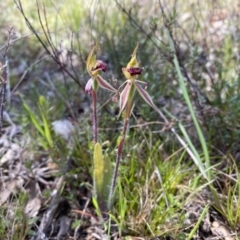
(94, 68)
(131, 72)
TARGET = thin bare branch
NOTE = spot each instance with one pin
(54, 53)
(4, 77)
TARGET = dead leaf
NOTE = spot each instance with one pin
(221, 231)
(7, 189)
(33, 206)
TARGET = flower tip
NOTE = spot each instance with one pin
(88, 92)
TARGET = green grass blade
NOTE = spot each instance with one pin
(47, 130)
(34, 119)
(190, 107)
(204, 212)
(197, 160)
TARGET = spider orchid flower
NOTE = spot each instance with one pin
(94, 68)
(131, 72)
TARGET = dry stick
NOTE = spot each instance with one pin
(53, 55)
(71, 55)
(167, 25)
(25, 73)
(140, 125)
(3, 93)
(135, 22)
(46, 31)
(4, 78)
(51, 86)
(48, 36)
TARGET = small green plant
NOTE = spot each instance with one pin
(94, 68)
(42, 122)
(131, 72)
(14, 223)
(102, 173)
(102, 169)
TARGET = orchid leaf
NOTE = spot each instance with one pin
(98, 168)
(103, 172)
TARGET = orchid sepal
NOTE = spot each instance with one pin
(91, 60)
(126, 96)
(144, 94)
(104, 84)
(133, 62)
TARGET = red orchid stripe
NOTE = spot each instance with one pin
(124, 97)
(104, 84)
(142, 82)
(146, 97)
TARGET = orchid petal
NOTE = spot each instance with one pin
(144, 94)
(104, 84)
(124, 96)
(88, 86)
(142, 82)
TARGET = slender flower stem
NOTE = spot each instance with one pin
(119, 152)
(118, 158)
(94, 120)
